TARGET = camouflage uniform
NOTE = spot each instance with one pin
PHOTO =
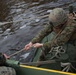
(4, 70)
(68, 33)
(7, 71)
(64, 38)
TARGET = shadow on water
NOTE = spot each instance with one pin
(27, 21)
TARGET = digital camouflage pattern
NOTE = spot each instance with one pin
(68, 33)
(7, 71)
(58, 16)
(48, 29)
(59, 45)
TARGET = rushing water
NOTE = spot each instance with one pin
(27, 17)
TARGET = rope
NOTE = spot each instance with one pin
(16, 53)
(67, 66)
(58, 50)
(73, 67)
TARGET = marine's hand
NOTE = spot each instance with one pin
(28, 46)
(37, 45)
(7, 57)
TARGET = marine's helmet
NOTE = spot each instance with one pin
(58, 16)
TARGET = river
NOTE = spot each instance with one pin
(27, 18)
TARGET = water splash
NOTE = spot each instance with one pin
(24, 56)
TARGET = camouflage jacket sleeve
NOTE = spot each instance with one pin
(63, 37)
(42, 34)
